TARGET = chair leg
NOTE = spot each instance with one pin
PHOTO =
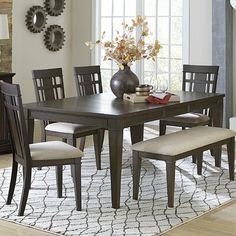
(231, 157)
(13, 181)
(97, 149)
(102, 135)
(194, 159)
(59, 180)
(199, 163)
(217, 153)
(82, 143)
(136, 173)
(77, 184)
(162, 127)
(170, 174)
(72, 141)
(25, 191)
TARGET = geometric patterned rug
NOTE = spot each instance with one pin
(150, 215)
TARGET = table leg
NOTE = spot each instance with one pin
(136, 133)
(115, 147)
(30, 126)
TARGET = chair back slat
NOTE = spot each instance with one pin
(16, 121)
(88, 80)
(198, 78)
(48, 84)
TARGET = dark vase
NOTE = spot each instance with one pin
(124, 81)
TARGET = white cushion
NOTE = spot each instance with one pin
(67, 127)
(189, 118)
(53, 150)
(182, 141)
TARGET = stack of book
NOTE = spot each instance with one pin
(134, 98)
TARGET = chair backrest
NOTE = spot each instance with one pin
(16, 120)
(88, 80)
(48, 84)
(198, 78)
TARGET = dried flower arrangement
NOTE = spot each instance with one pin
(124, 48)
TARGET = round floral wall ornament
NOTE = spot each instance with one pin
(124, 49)
(36, 19)
(54, 38)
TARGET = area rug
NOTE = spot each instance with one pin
(194, 195)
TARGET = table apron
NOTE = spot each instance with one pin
(70, 118)
(160, 113)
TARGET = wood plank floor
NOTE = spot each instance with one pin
(220, 222)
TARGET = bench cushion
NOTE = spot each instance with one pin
(183, 141)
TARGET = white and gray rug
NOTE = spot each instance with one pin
(194, 195)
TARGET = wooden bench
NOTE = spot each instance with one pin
(178, 145)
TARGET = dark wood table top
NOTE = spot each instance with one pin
(105, 105)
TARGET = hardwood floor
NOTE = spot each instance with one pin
(220, 222)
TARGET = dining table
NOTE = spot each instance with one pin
(108, 112)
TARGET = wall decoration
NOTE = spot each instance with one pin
(54, 38)
(36, 19)
(54, 7)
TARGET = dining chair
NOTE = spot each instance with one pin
(88, 82)
(48, 84)
(196, 78)
(51, 153)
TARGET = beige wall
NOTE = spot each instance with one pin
(29, 52)
(200, 29)
(81, 28)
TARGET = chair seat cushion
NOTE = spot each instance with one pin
(69, 128)
(183, 141)
(189, 118)
(53, 150)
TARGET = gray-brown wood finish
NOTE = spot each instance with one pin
(21, 150)
(196, 78)
(171, 160)
(88, 82)
(49, 85)
(5, 145)
(116, 114)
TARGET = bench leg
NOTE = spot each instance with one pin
(231, 157)
(136, 174)
(170, 174)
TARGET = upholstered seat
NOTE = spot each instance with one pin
(53, 150)
(67, 127)
(178, 145)
(192, 118)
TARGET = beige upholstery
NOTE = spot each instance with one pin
(183, 141)
(66, 127)
(53, 150)
(189, 118)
